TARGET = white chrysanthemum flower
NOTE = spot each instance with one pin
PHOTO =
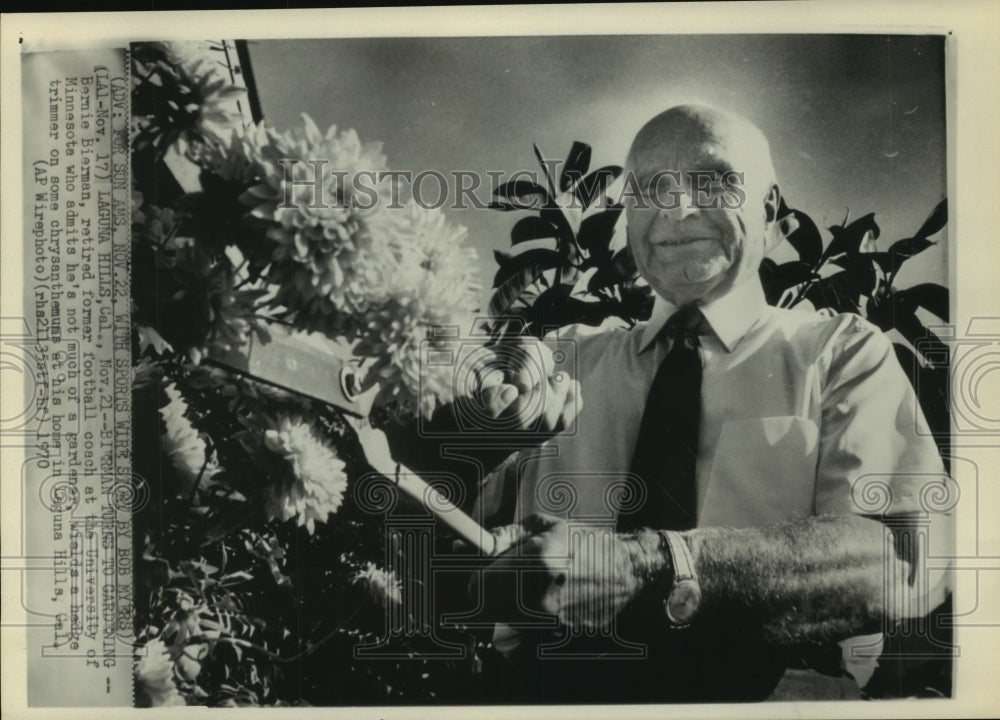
(316, 487)
(325, 258)
(191, 53)
(154, 674)
(381, 584)
(233, 160)
(385, 276)
(434, 263)
(218, 112)
(202, 102)
(182, 443)
(434, 285)
(399, 342)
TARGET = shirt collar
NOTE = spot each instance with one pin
(729, 316)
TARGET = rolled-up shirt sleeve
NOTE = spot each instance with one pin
(878, 458)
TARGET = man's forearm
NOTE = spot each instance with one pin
(815, 579)
(811, 580)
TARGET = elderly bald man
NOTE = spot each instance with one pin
(711, 518)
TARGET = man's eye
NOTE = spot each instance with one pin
(648, 189)
(661, 187)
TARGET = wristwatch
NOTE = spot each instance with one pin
(681, 603)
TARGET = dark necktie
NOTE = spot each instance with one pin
(667, 446)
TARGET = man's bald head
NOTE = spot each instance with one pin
(686, 126)
(710, 236)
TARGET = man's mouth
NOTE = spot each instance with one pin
(668, 242)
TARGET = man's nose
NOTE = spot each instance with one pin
(679, 205)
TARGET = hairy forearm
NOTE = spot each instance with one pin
(816, 579)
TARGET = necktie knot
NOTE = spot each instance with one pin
(686, 324)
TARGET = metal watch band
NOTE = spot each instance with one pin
(680, 556)
(682, 602)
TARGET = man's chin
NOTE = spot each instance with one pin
(695, 281)
(687, 276)
(683, 293)
(707, 273)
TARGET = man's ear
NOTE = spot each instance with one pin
(774, 207)
(772, 204)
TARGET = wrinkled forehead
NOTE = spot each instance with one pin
(688, 140)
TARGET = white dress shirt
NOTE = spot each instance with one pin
(802, 414)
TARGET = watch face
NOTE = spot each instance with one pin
(682, 604)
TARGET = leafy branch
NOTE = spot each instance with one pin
(537, 284)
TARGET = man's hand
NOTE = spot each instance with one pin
(524, 386)
(583, 575)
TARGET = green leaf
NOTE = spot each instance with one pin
(576, 165)
(839, 292)
(522, 194)
(556, 308)
(806, 239)
(935, 221)
(557, 218)
(771, 292)
(848, 239)
(545, 169)
(850, 261)
(789, 274)
(505, 206)
(621, 269)
(518, 274)
(906, 248)
(597, 230)
(868, 244)
(636, 301)
(532, 228)
(927, 344)
(864, 224)
(539, 259)
(883, 259)
(591, 186)
(860, 279)
(930, 296)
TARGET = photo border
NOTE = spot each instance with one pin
(972, 98)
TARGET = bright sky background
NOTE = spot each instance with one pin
(854, 121)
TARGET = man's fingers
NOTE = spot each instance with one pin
(527, 407)
(507, 536)
(539, 523)
(481, 372)
(557, 404)
(530, 364)
(555, 400)
(522, 385)
(505, 400)
(489, 377)
(573, 405)
(497, 398)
